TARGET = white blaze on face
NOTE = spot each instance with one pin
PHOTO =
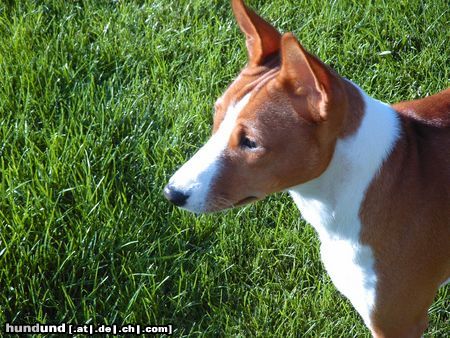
(196, 176)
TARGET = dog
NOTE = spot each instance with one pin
(372, 179)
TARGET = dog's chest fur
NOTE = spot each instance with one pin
(331, 204)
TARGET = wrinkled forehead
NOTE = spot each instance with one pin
(251, 79)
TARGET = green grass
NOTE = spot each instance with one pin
(101, 101)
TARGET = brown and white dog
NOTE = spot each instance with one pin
(372, 179)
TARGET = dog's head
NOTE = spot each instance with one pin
(274, 127)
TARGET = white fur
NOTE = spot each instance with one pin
(331, 204)
(195, 176)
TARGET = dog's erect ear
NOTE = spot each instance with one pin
(262, 38)
(305, 74)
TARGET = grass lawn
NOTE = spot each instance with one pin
(101, 101)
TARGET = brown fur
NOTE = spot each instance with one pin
(431, 110)
(406, 218)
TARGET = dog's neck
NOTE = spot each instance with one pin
(331, 202)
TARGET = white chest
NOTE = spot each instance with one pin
(350, 267)
(331, 204)
(349, 263)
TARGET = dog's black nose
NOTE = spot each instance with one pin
(175, 196)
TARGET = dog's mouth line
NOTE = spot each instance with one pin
(246, 200)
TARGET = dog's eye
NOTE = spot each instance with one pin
(247, 143)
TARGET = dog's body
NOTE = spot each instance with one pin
(375, 210)
(372, 179)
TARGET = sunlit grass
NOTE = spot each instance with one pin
(100, 101)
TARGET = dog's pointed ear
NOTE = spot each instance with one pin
(262, 39)
(305, 74)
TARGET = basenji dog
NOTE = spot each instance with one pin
(371, 178)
